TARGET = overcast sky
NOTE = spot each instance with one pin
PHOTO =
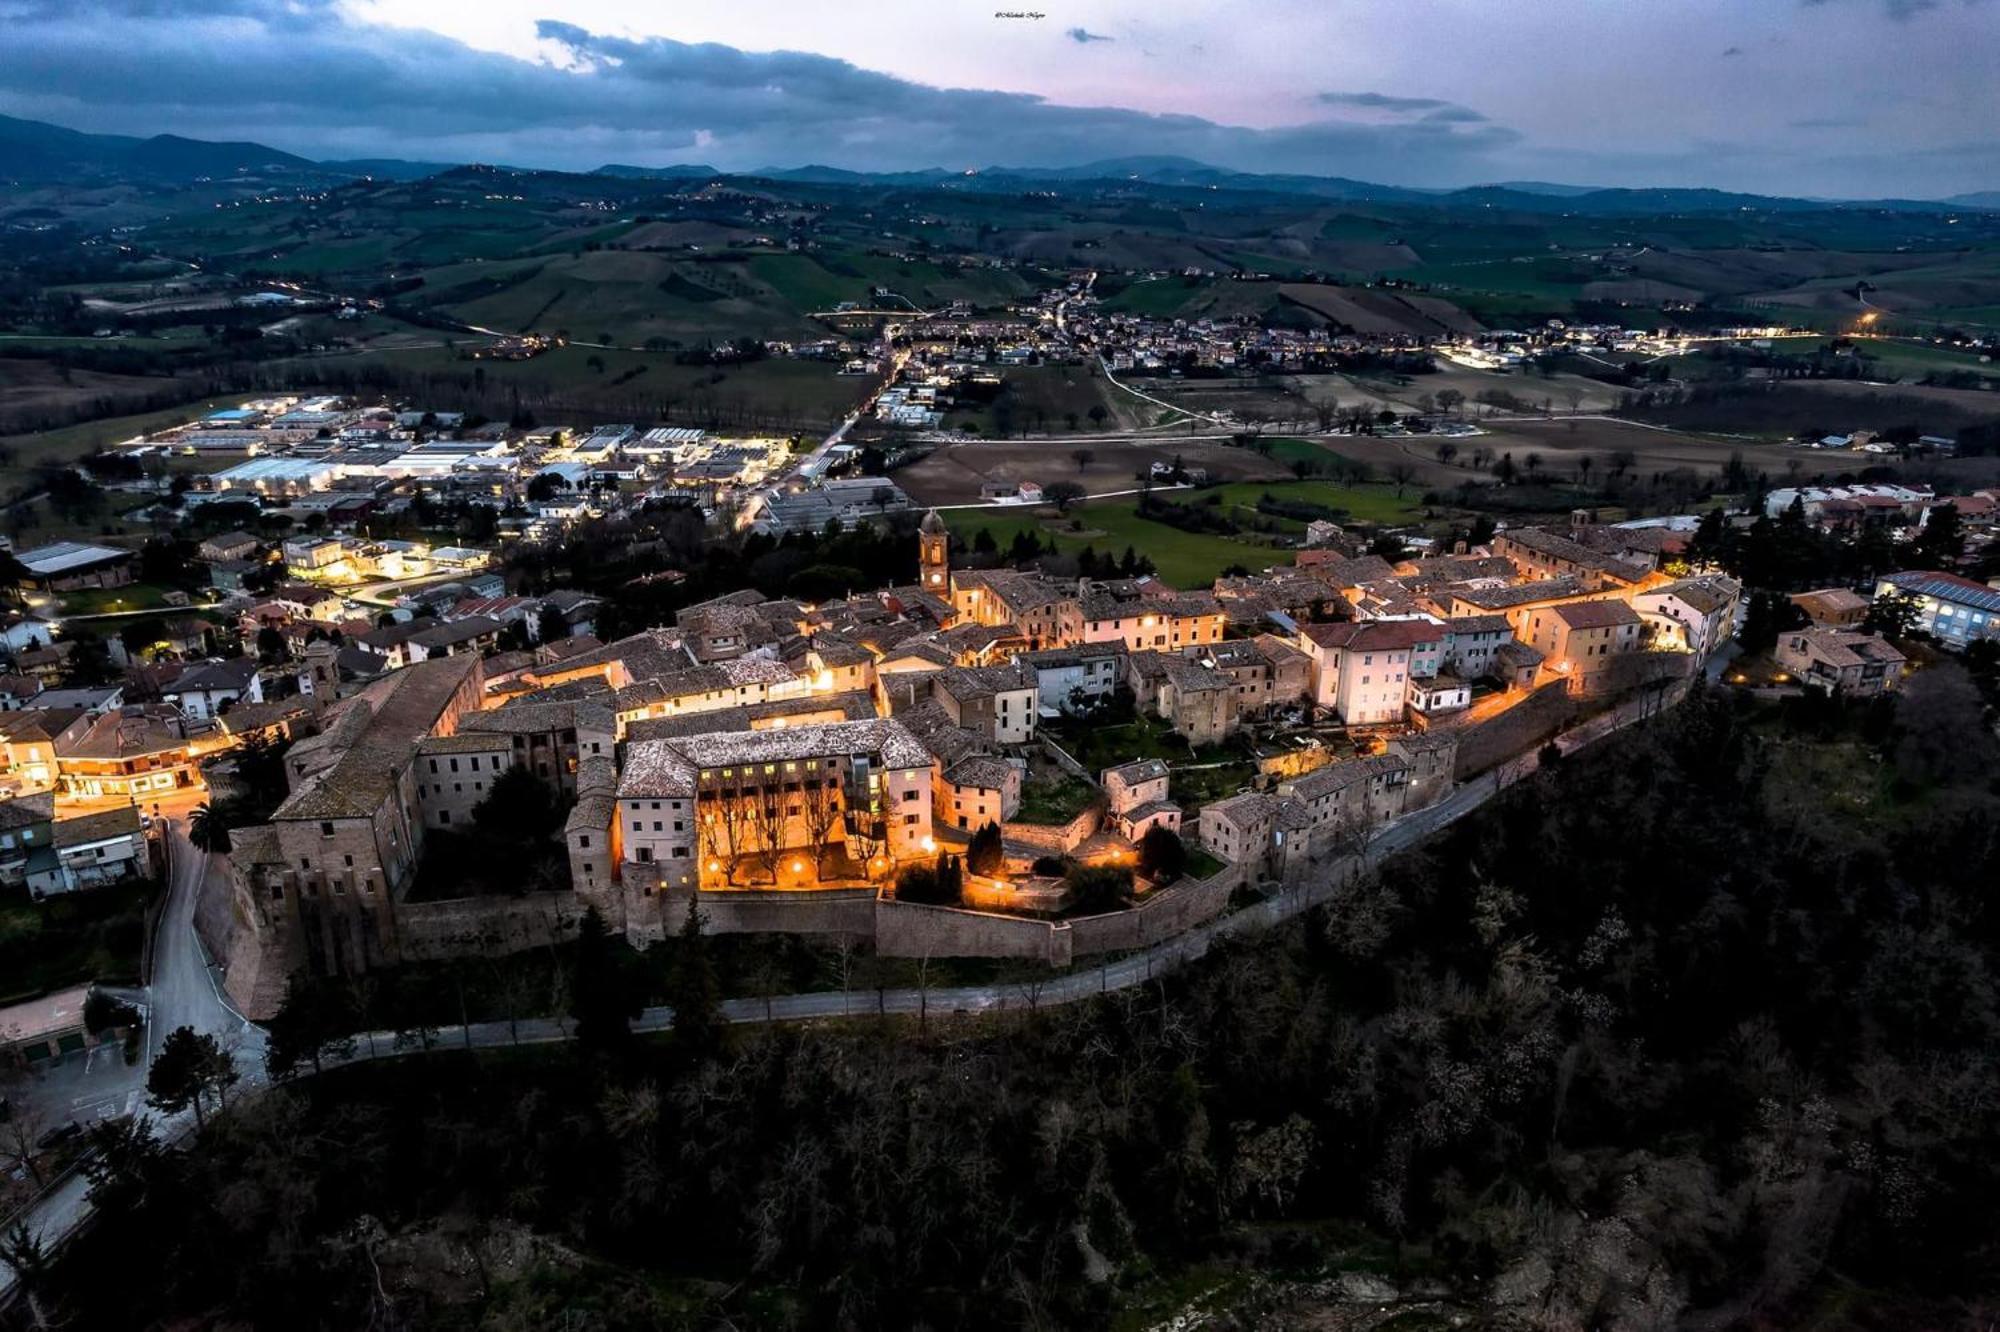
(1824, 97)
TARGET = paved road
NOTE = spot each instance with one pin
(184, 991)
(66, 1206)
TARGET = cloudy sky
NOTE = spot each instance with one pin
(1824, 97)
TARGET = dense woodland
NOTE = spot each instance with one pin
(1694, 1030)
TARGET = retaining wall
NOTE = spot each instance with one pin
(1519, 729)
(1054, 839)
(475, 926)
(911, 929)
(1170, 911)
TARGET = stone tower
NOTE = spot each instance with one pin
(934, 555)
(320, 680)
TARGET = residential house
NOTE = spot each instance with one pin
(91, 851)
(26, 826)
(1472, 644)
(1196, 699)
(998, 702)
(1833, 607)
(30, 741)
(18, 691)
(1137, 794)
(137, 753)
(1345, 802)
(207, 689)
(1580, 640)
(1840, 661)
(230, 546)
(1362, 668)
(473, 635)
(1070, 679)
(1696, 615)
(1958, 610)
(1269, 835)
(1155, 623)
(977, 790)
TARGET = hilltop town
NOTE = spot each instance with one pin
(984, 761)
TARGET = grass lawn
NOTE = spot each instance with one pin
(100, 600)
(71, 939)
(1054, 801)
(1098, 746)
(1194, 786)
(1200, 774)
(1200, 863)
(1914, 360)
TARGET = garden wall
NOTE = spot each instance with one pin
(1169, 912)
(1053, 839)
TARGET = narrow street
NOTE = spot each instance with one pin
(96, 1084)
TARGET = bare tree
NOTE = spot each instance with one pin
(1083, 458)
(821, 811)
(18, 1136)
(728, 826)
(766, 809)
(1402, 474)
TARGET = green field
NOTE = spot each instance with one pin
(1186, 559)
(1191, 560)
(1040, 399)
(24, 453)
(1364, 503)
(618, 384)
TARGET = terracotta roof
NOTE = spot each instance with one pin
(1375, 635)
(1596, 614)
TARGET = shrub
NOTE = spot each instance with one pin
(940, 884)
(1097, 889)
(1162, 855)
(985, 855)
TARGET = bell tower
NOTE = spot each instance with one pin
(934, 555)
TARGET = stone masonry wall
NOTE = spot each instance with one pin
(1170, 911)
(910, 929)
(476, 926)
(1054, 839)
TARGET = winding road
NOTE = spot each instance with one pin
(97, 1084)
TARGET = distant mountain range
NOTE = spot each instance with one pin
(36, 153)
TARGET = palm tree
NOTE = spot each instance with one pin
(207, 830)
